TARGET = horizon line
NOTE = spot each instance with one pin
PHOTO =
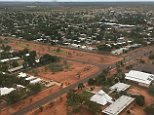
(80, 1)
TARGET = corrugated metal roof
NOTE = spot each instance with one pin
(101, 98)
(119, 105)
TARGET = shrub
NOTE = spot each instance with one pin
(151, 90)
(140, 100)
(91, 81)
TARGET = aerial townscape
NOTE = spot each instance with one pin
(76, 58)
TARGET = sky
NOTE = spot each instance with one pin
(80, 0)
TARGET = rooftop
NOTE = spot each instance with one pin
(140, 77)
(119, 105)
(119, 87)
(101, 98)
(5, 91)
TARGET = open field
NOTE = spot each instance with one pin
(65, 53)
(67, 76)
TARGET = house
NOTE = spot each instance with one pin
(9, 59)
(20, 86)
(35, 81)
(101, 98)
(15, 69)
(119, 87)
(118, 106)
(21, 74)
(142, 78)
(30, 78)
(5, 91)
(119, 51)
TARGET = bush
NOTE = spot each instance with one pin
(45, 59)
(35, 88)
(104, 48)
(140, 100)
(151, 90)
(13, 97)
(91, 81)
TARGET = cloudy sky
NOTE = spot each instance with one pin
(79, 0)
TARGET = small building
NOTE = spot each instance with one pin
(9, 59)
(118, 106)
(119, 87)
(5, 91)
(38, 80)
(15, 69)
(20, 86)
(101, 98)
(119, 51)
(142, 78)
(30, 78)
(21, 74)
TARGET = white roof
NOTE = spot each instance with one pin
(119, 87)
(35, 81)
(139, 77)
(15, 68)
(27, 54)
(9, 59)
(101, 98)
(20, 86)
(1, 51)
(119, 51)
(30, 78)
(5, 90)
(21, 74)
(119, 105)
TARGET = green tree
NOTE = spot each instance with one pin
(35, 88)
(151, 90)
(45, 59)
(91, 81)
(13, 97)
(140, 100)
(80, 86)
(93, 107)
(15, 64)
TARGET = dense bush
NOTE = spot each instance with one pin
(151, 90)
(91, 81)
(104, 48)
(75, 99)
(13, 97)
(139, 100)
(45, 59)
(35, 88)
